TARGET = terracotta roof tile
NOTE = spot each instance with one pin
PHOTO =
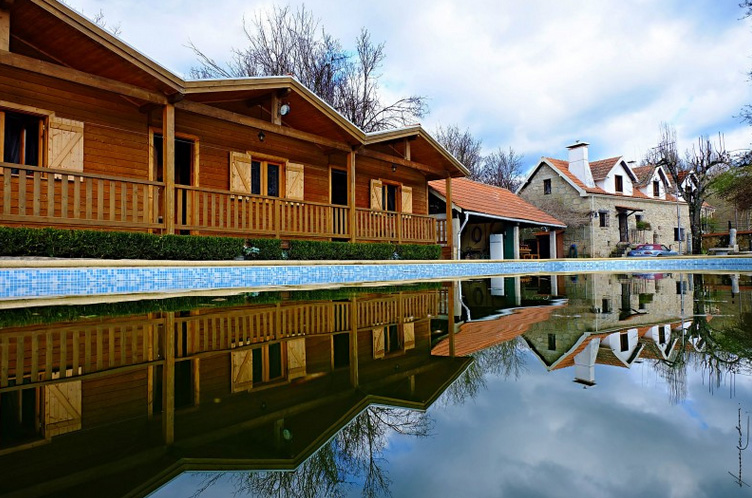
(601, 168)
(563, 168)
(476, 336)
(495, 201)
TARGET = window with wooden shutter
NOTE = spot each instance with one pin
(65, 146)
(240, 172)
(407, 199)
(294, 177)
(408, 330)
(376, 195)
(296, 358)
(62, 408)
(378, 343)
(242, 370)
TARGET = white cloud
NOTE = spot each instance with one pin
(534, 75)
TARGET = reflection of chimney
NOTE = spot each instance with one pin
(584, 363)
(578, 163)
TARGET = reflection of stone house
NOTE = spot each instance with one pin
(607, 203)
(484, 213)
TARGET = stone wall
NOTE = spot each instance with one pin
(583, 221)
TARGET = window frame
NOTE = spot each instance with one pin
(42, 115)
(619, 183)
(547, 186)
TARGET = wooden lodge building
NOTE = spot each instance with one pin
(119, 405)
(94, 134)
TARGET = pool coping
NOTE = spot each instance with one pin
(69, 281)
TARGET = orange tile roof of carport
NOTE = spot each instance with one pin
(498, 202)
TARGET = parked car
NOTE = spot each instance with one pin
(644, 250)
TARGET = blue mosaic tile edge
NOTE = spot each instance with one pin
(26, 283)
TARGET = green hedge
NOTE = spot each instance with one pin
(115, 245)
(322, 250)
(59, 243)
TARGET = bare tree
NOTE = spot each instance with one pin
(701, 164)
(286, 42)
(463, 146)
(503, 169)
(746, 112)
(100, 21)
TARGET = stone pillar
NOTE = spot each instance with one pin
(552, 245)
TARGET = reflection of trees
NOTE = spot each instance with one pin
(506, 359)
(720, 351)
(353, 455)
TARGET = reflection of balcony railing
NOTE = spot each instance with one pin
(50, 196)
(60, 352)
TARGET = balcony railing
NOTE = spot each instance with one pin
(60, 197)
(43, 196)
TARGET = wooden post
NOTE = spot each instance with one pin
(449, 224)
(168, 380)
(407, 149)
(168, 165)
(354, 375)
(351, 192)
(276, 117)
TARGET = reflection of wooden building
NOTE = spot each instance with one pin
(126, 403)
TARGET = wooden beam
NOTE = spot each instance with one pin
(354, 367)
(449, 224)
(351, 192)
(4, 29)
(407, 149)
(402, 162)
(276, 117)
(168, 165)
(234, 117)
(168, 380)
(8, 59)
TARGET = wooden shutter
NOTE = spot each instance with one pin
(242, 370)
(62, 408)
(294, 184)
(296, 358)
(65, 147)
(378, 342)
(377, 200)
(407, 199)
(240, 172)
(409, 335)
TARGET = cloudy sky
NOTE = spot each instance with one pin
(534, 75)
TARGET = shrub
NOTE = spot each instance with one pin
(415, 251)
(114, 245)
(322, 250)
(262, 249)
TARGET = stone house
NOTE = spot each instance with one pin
(607, 204)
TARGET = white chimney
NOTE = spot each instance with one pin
(578, 163)
(584, 363)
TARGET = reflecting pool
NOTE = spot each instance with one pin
(546, 385)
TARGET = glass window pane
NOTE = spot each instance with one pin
(256, 177)
(272, 180)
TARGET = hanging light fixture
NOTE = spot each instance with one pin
(261, 135)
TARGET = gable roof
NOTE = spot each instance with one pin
(497, 202)
(602, 167)
(562, 167)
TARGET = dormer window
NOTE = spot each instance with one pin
(619, 183)
(656, 188)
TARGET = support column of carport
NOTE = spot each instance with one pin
(516, 241)
(449, 222)
(552, 244)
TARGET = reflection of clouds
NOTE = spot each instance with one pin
(546, 436)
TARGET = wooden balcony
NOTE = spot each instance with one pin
(61, 198)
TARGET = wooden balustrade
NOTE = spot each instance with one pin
(59, 197)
